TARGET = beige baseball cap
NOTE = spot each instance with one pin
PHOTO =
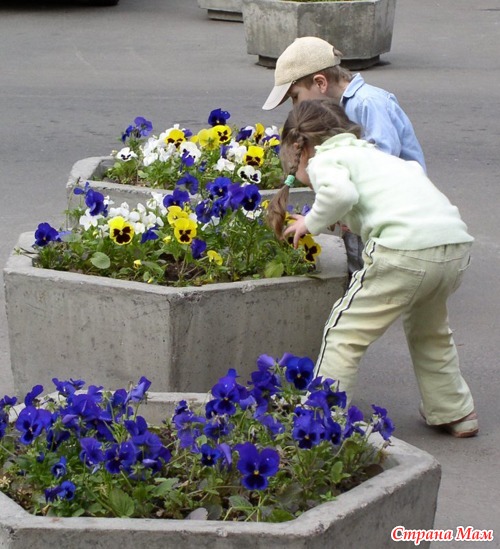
(303, 56)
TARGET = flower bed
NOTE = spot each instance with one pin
(264, 452)
(179, 158)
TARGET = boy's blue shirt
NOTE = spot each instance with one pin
(384, 122)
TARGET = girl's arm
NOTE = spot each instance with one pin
(335, 194)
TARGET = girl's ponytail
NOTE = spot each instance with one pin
(276, 211)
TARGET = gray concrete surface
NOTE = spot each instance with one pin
(73, 77)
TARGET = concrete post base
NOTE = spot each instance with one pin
(361, 30)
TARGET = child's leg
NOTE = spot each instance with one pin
(445, 394)
(377, 295)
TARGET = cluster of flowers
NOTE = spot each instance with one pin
(210, 227)
(266, 451)
(247, 155)
(191, 236)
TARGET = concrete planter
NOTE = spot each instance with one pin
(92, 169)
(71, 325)
(404, 494)
(224, 10)
(360, 29)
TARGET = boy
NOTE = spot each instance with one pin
(310, 69)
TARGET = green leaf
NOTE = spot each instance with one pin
(121, 503)
(100, 260)
(336, 472)
(166, 486)
(280, 515)
(70, 237)
(240, 502)
(274, 269)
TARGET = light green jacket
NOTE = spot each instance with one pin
(380, 197)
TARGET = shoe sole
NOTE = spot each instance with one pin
(460, 429)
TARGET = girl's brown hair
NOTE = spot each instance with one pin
(309, 124)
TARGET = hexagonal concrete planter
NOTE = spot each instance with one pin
(64, 324)
(92, 169)
(405, 493)
(360, 29)
(223, 10)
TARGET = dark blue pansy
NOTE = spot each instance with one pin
(298, 370)
(383, 424)
(308, 431)
(354, 417)
(120, 457)
(218, 117)
(252, 198)
(190, 183)
(31, 422)
(150, 234)
(177, 198)
(256, 467)
(44, 234)
(209, 456)
(244, 133)
(198, 247)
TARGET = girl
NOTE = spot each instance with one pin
(416, 249)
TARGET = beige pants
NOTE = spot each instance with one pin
(416, 286)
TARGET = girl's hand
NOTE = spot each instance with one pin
(297, 229)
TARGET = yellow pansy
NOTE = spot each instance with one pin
(311, 247)
(137, 263)
(223, 133)
(208, 139)
(254, 156)
(176, 137)
(120, 231)
(185, 230)
(174, 213)
(259, 132)
(214, 257)
(273, 142)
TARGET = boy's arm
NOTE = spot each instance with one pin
(380, 125)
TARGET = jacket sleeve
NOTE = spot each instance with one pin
(335, 193)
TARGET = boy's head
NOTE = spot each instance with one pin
(297, 68)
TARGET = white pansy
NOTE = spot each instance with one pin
(272, 131)
(156, 202)
(191, 149)
(249, 174)
(236, 151)
(225, 165)
(150, 158)
(87, 220)
(125, 154)
(122, 211)
(134, 216)
(150, 146)
(139, 227)
(167, 152)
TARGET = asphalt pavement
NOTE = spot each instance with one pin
(73, 77)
